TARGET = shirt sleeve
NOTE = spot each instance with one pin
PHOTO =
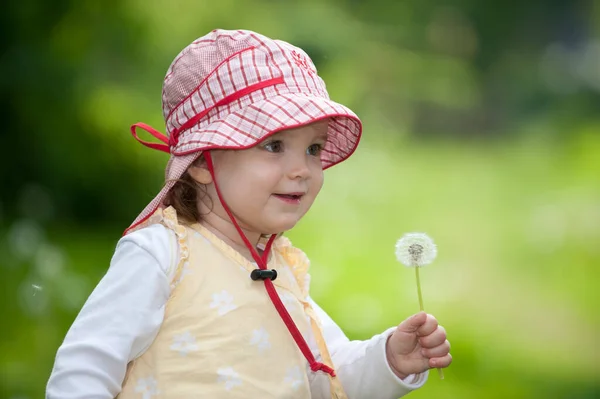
(361, 366)
(119, 320)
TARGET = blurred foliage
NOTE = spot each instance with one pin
(482, 128)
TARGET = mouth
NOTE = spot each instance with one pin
(290, 198)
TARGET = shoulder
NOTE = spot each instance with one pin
(155, 240)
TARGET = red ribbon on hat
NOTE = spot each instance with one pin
(174, 138)
(156, 146)
(262, 264)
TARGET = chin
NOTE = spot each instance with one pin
(282, 226)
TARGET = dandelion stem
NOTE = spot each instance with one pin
(419, 290)
(440, 371)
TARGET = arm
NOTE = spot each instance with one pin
(361, 366)
(118, 322)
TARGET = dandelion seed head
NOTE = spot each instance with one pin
(415, 250)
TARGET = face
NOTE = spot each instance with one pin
(270, 186)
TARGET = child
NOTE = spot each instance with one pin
(204, 296)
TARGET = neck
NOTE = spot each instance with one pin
(226, 231)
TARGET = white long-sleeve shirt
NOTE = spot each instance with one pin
(123, 315)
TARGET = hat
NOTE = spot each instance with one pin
(231, 90)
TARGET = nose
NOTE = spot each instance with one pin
(298, 167)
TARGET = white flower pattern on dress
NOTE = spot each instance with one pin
(260, 338)
(184, 343)
(223, 302)
(293, 377)
(148, 387)
(229, 377)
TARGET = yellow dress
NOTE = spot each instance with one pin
(221, 336)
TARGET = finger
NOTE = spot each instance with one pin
(440, 362)
(413, 323)
(438, 351)
(428, 326)
(434, 339)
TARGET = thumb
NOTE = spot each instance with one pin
(413, 323)
(404, 340)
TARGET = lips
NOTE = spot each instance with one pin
(291, 198)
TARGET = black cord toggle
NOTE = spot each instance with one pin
(260, 274)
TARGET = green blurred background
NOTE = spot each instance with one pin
(482, 128)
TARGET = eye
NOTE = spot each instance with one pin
(274, 146)
(314, 149)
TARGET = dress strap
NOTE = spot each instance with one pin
(170, 221)
(168, 218)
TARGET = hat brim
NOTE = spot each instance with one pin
(249, 126)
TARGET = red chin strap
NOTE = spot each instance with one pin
(262, 264)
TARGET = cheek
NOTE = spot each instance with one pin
(248, 186)
(318, 179)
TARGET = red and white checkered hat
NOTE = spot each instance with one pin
(231, 90)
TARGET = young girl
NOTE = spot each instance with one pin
(204, 297)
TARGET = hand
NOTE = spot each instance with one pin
(417, 345)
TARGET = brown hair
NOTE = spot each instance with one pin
(184, 198)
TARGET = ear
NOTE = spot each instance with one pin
(199, 171)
